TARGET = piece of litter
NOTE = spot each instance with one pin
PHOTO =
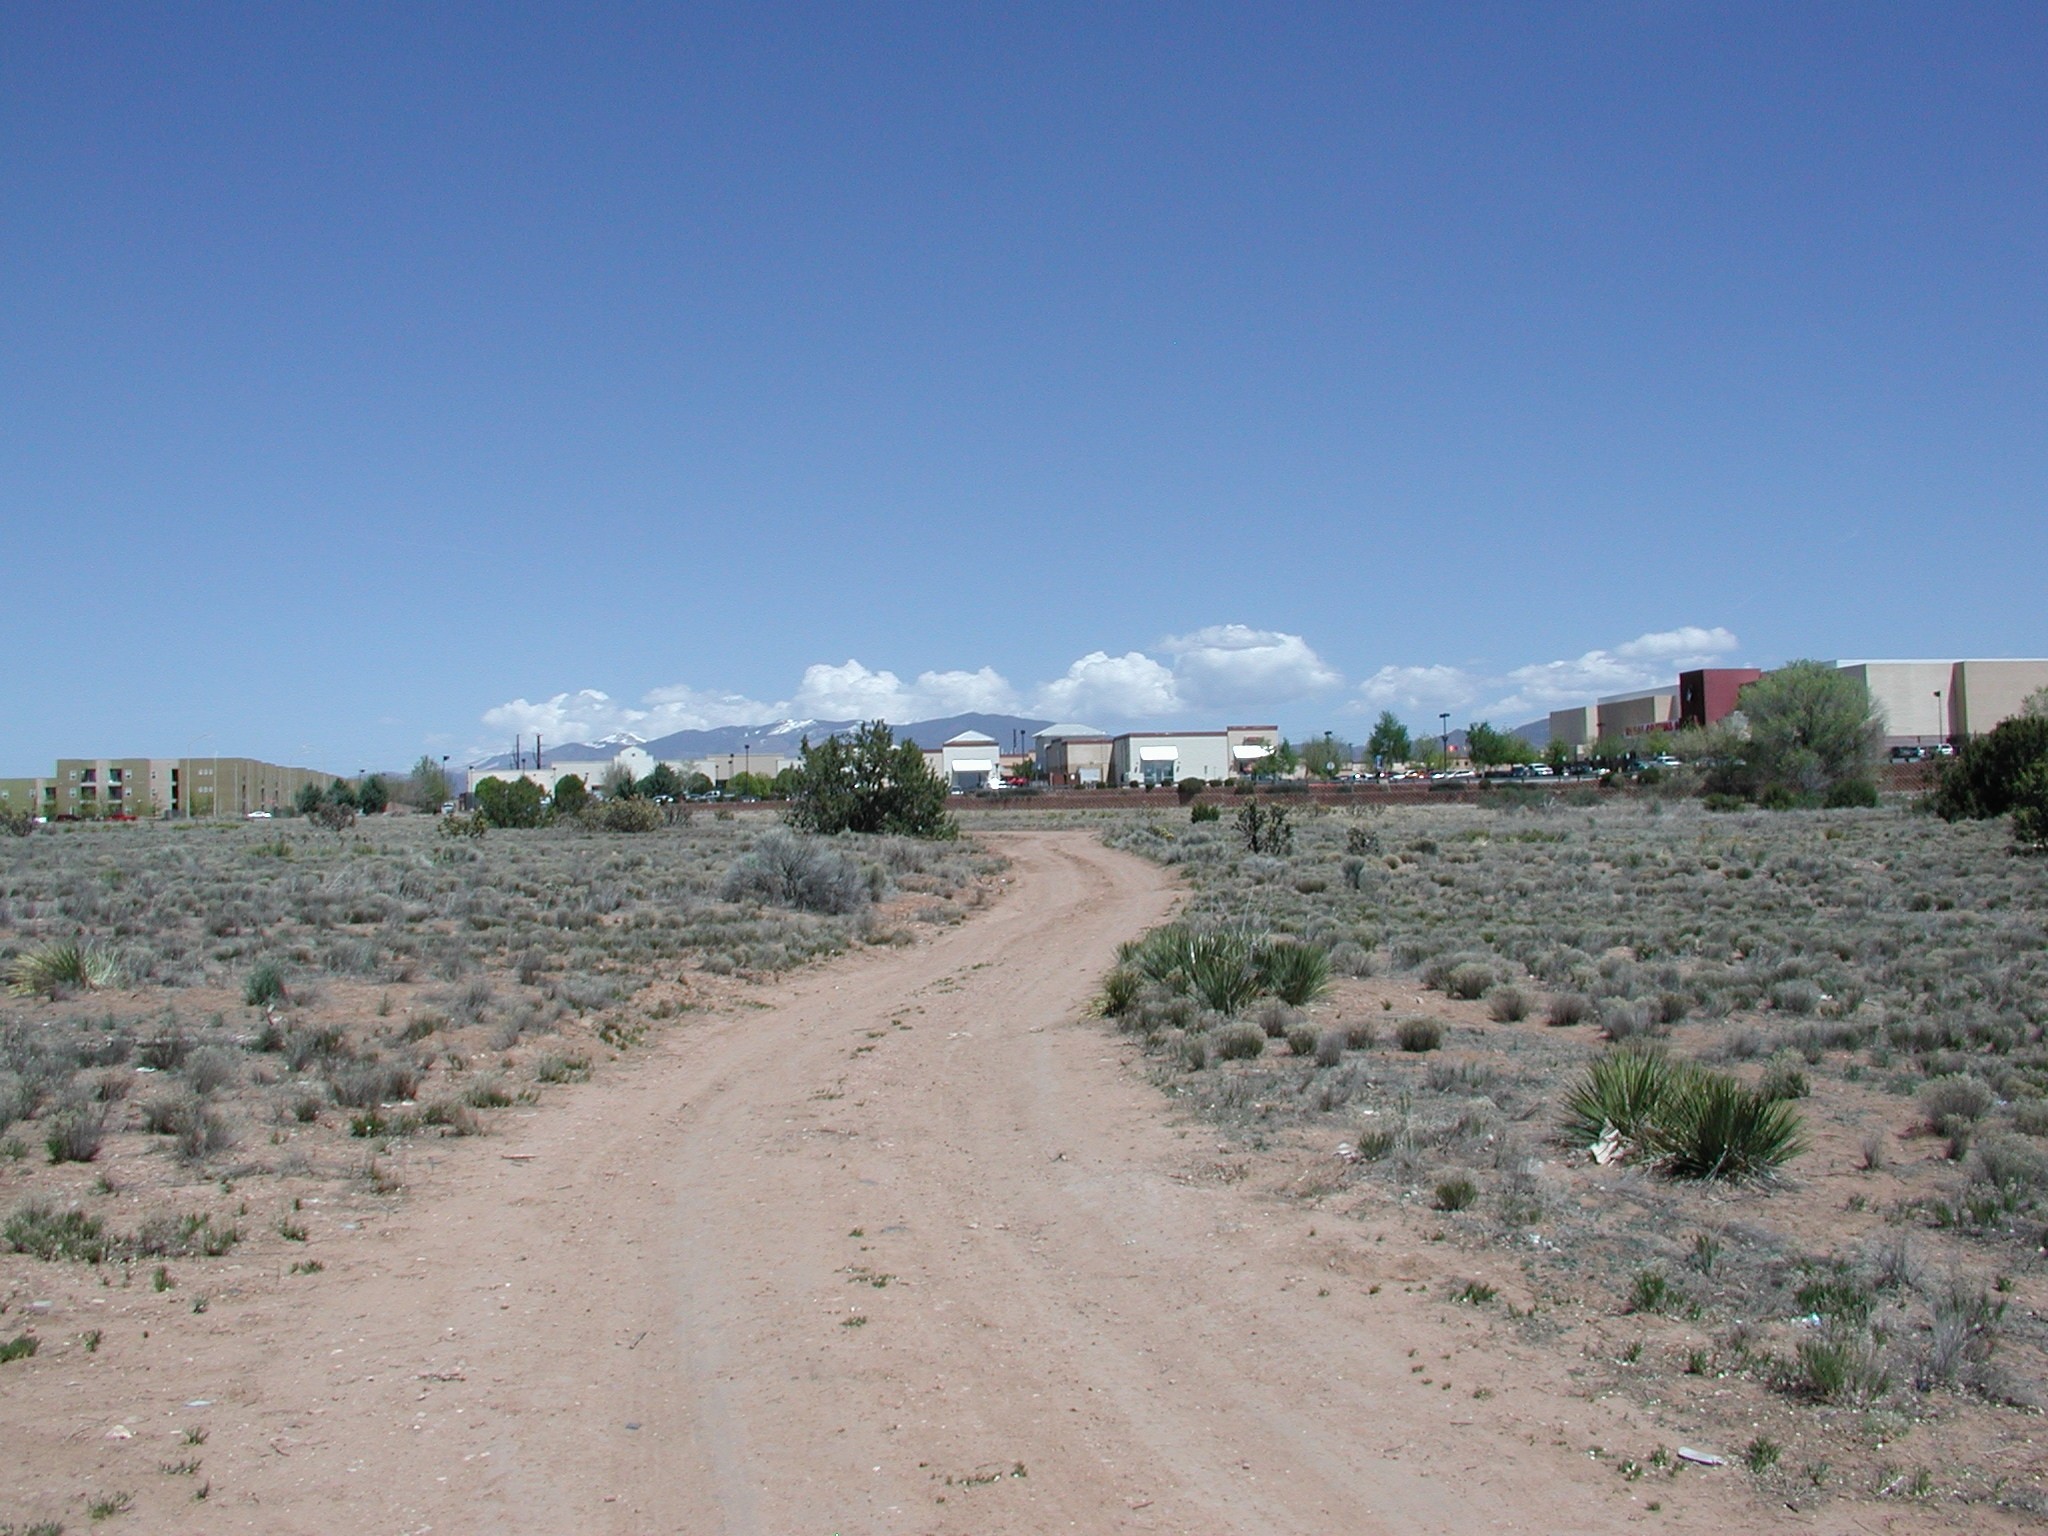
(1608, 1147)
(1701, 1458)
(120, 1432)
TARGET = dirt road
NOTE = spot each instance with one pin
(909, 1248)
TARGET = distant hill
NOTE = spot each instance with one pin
(1012, 732)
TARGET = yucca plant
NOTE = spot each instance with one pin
(1628, 1089)
(1293, 971)
(1161, 955)
(1223, 970)
(1713, 1127)
(53, 969)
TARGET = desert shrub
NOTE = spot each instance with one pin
(1468, 981)
(1456, 1193)
(1843, 1366)
(1957, 1099)
(1853, 793)
(1507, 1005)
(75, 1134)
(53, 970)
(1330, 1046)
(1239, 1041)
(1567, 1008)
(800, 872)
(1303, 1038)
(42, 1231)
(1350, 959)
(1264, 828)
(1294, 972)
(169, 1113)
(1965, 1329)
(211, 1070)
(265, 985)
(1275, 1017)
(458, 828)
(1796, 995)
(1623, 1019)
(1784, 1078)
(1360, 1034)
(207, 1132)
(1417, 1034)
(365, 1085)
(1200, 813)
(164, 1236)
(622, 814)
(2013, 1166)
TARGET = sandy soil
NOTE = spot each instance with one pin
(908, 1246)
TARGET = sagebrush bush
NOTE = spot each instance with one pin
(1955, 1099)
(1507, 1005)
(1239, 1041)
(1567, 1008)
(804, 873)
(1419, 1034)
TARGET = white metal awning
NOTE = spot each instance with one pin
(973, 765)
(1250, 753)
(1159, 754)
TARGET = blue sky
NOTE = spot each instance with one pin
(381, 380)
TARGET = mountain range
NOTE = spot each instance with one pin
(1011, 732)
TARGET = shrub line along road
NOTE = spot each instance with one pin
(643, 1308)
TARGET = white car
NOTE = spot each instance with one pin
(256, 816)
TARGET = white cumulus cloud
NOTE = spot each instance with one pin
(1425, 689)
(855, 692)
(590, 714)
(1102, 687)
(1520, 693)
(1226, 665)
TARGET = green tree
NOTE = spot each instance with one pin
(1811, 727)
(783, 784)
(571, 795)
(373, 796)
(310, 798)
(869, 782)
(2036, 704)
(1489, 748)
(700, 783)
(757, 786)
(618, 783)
(1983, 780)
(1325, 756)
(428, 786)
(1389, 742)
(1557, 754)
(664, 783)
(514, 804)
(341, 792)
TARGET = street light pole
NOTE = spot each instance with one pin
(1940, 723)
(1444, 718)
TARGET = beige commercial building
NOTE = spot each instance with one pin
(166, 786)
(1987, 692)
(1577, 728)
(1927, 701)
(1631, 714)
(1073, 754)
